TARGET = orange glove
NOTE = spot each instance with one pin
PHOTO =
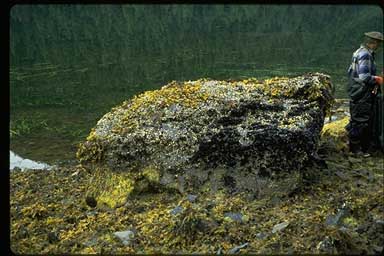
(379, 80)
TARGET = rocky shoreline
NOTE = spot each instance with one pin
(336, 208)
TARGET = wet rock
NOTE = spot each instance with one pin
(234, 216)
(362, 228)
(92, 213)
(332, 119)
(176, 210)
(191, 198)
(90, 242)
(363, 173)
(280, 227)
(206, 225)
(344, 230)
(233, 134)
(237, 248)
(334, 220)
(22, 233)
(125, 236)
(326, 246)
(261, 235)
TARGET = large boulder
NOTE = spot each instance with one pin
(213, 134)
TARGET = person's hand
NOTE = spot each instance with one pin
(379, 80)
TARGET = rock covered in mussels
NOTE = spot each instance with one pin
(231, 132)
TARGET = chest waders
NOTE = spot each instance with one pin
(361, 109)
(378, 121)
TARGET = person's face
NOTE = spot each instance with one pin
(376, 44)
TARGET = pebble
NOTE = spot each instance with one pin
(191, 198)
(362, 228)
(91, 242)
(237, 248)
(176, 210)
(333, 220)
(92, 213)
(280, 227)
(261, 235)
(235, 216)
(125, 236)
(326, 245)
(363, 173)
(344, 229)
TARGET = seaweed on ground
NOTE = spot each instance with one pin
(339, 209)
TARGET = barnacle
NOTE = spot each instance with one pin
(258, 127)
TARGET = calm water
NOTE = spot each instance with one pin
(76, 97)
(70, 64)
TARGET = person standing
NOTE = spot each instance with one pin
(364, 86)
